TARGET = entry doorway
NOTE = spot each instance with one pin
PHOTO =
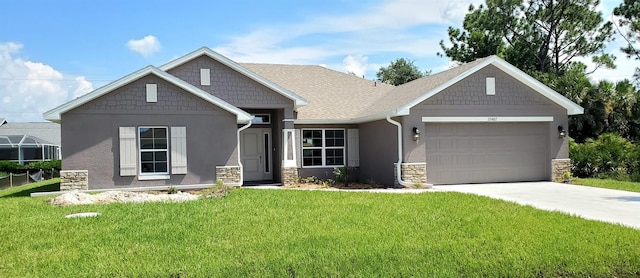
(256, 155)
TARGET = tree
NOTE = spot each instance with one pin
(533, 35)
(399, 72)
(629, 11)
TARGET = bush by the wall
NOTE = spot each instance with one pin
(609, 156)
(15, 167)
(9, 166)
(45, 165)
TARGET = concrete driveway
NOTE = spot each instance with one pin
(613, 206)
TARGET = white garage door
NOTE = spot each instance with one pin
(487, 152)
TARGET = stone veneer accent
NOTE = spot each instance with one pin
(289, 175)
(228, 174)
(74, 180)
(558, 168)
(412, 173)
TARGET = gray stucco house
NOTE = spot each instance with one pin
(203, 117)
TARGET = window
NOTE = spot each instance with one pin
(322, 147)
(261, 119)
(144, 152)
(153, 150)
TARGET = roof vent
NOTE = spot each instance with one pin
(491, 86)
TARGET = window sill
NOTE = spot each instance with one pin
(153, 177)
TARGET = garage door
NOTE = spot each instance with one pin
(486, 152)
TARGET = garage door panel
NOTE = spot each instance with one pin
(486, 152)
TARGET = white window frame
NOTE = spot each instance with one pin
(323, 148)
(155, 175)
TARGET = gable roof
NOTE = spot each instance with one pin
(333, 95)
(398, 101)
(298, 100)
(54, 114)
(3, 121)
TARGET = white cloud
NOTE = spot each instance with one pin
(145, 46)
(356, 64)
(407, 27)
(83, 86)
(31, 88)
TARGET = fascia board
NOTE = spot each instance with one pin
(447, 84)
(572, 107)
(54, 114)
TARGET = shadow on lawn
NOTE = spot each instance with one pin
(27, 190)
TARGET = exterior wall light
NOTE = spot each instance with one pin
(561, 132)
(416, 134)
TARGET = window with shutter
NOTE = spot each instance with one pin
(353, 147)
(178, 150)
(128, 151)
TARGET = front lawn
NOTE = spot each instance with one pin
(288, 233)
(611, 184)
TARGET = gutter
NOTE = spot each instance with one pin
(399, 163)
(240, 158)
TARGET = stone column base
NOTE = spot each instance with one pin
(229, 175)
(289, 175)
(413, 173)
(558, 168)
(74, 180)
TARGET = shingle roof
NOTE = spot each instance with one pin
(48, 132)
(332, 95)
(408, 92)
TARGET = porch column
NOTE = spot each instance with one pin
(289, 166)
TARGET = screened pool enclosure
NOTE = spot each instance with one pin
(24, 149)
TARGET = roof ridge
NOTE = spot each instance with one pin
(320, 67)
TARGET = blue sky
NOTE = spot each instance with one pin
(53, 51)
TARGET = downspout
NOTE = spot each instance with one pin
(399, 164)
(239, 157)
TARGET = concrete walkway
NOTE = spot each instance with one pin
(608, 205)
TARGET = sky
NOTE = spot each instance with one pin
(52, 51)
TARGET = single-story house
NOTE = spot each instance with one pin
(203, 117)
(25, 142)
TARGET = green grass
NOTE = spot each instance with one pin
(288, 233)
(27, 189)
(607, 183)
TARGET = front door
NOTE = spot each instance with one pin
(255, 154)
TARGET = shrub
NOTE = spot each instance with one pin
(9, 166)
(609, 156)
(45, 165)
(342, 174)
